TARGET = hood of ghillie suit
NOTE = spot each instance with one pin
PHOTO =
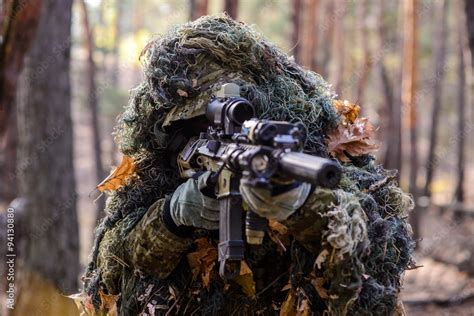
(183, 68)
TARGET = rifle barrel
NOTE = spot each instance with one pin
(308, 168)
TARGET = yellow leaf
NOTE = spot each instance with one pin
(245, 279)
(203, 260)
(349, 111)
(119, 176)
(288, 307)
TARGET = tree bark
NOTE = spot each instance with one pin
(45, 169)
(295, 33)
(439, 63)
(364, 71)
(115, 74)
(395, 146)
(20, 24)
(392, 133)
(463, 51)
(198, 8)
(469, 9)
(20, 21)
(409, 86)
(338, 55)
(327, 35)
(232, 8)
(309, 34)
(93, 103)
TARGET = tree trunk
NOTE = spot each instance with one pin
(391, 133)
(115, 73)
(20, 21)
(295, 33)
(309, 34)
(198, 8)
(8, 177)
(394, 153)
(469, 8)
(46, 171)
(232, 8)
(327, 34)
(439, 62)
(93, 103)
(409, 81)
(364, 71)
(338, 60)
(19, 28)
(463, 51)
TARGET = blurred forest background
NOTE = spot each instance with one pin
(66, 68)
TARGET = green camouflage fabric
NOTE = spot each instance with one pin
(156, 250)
(343, 253)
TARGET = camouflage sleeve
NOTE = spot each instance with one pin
(157, 248)
(307, 224)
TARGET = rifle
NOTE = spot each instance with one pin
(238, 147)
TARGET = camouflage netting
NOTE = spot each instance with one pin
(365, 242)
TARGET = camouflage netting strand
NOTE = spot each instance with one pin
(366, 244)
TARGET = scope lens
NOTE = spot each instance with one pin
(240, 111)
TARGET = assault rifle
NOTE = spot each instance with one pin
(238, 147)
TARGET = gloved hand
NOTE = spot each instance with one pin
(190, 207)
(277, 205)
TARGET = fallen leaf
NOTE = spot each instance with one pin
(349, 111)
(356, 139)
(245, 279)
(278, 233)
(286, 287)
(203, 260)
(278, 227)
(119, 176)
(318, 285)
(108, 303)
(288, 307)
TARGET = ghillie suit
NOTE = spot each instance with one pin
(345, 250)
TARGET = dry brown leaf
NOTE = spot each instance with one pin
(356, 139)
(245, 279)
(349, 111)
(288, 307)
(277, 227)
(318, 285)
(203, 260)
(278, 233)
(119, 176)
(108, 303)
(286, 287)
